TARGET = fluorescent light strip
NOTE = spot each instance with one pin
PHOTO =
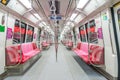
(44, 23)
(82, 3)
(73, 16)
(26, 3)
(68, 23)
(41, 25)
(36, 15)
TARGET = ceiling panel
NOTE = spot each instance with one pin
(44, 8)
(63, 6)
(16, 6)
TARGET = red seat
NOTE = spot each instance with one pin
(69, 44)
(76, 50)
(44, 43)
(97, 54)
(35, 47)
(13, 56)
(28, 50)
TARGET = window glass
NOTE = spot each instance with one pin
(86, 29)
(16, 34)
(23, 31)
(29, 33)
(19, 32)
(92, 36)
(82, 34)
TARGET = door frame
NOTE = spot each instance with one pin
(116, 39)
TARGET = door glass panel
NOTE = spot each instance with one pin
(92, 32)
(30, 31)
(117, 20)
(82, 34)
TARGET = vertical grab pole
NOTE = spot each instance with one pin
(56, 43)
(53, 9)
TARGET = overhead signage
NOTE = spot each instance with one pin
(104, 17)
(57, 18)
(2, 28)
(4, 2)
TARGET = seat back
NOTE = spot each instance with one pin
(97, 54)
(34, 45)
(84, 47)
(26, 47)
(78, 45)
(13, 55)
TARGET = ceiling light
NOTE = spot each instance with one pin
(26, 3)
(72, 24)
(73, 16)
(44, 23)
(41, 25)
(68, 23)
(36, 15)
(82, 3)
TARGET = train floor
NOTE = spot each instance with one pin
(65, 68)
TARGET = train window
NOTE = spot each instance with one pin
(92, 36)
(82, 34)
(16, 34)
(19, 36)
(86, 28)
(30, 31)
(23, 31)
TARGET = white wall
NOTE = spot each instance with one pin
(11, 23)
(2, 44)
(110, 57)
(98, 23)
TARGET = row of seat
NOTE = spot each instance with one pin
(69, 44)
(21, 53)
(90, 53)
(45, 45)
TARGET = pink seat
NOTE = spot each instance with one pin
(29, 53)
(45, 44)
(70, 44)
(35, 47)
(13, 56)
(29, 50)
(84, 47)
(77, 49)
(82, 51)
(97, 54)
(13, 53)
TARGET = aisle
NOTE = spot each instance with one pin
(46, 68)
